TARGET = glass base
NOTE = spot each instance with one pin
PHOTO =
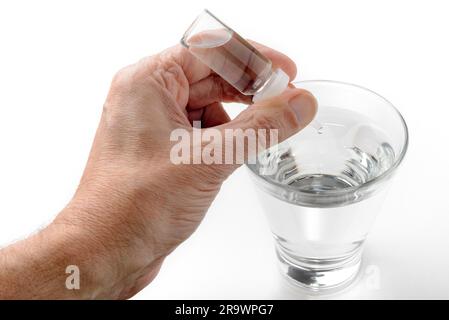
(320, 275)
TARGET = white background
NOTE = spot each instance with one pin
(56, 62)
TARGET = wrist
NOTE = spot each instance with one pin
(119, 247)
(75, 252)
(67, 260)
(36, 268)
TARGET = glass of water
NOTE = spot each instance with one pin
(322, 188)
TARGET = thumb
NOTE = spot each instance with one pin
(264, 124)
(287, 113)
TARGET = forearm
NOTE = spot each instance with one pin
(35, 268)
(101, 262)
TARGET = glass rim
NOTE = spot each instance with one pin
(366, 184)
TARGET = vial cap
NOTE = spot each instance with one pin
(275, 86)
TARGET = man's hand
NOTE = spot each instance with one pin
(133, 205)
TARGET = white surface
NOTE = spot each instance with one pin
(56, 62)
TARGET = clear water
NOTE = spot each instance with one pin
(346, 152)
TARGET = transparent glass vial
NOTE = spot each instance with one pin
(233, 58)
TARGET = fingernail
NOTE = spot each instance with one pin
(305, 106)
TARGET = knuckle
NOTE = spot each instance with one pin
(265, 120)
(283, 120)
(122, 77)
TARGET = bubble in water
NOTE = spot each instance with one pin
(318, 126)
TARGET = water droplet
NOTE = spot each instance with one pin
(318, 126)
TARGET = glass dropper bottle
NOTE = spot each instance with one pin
(233, 58)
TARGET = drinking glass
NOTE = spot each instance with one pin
(322, 188)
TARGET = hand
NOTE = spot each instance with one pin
(133, 205)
